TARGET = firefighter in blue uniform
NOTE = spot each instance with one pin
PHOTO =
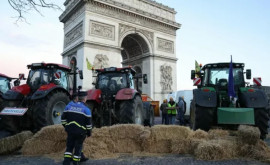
(76, 119)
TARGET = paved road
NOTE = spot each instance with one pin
(126, 159)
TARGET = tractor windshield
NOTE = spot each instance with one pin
(38, 77)
(4, 84)
(112, 81)
(219, 76)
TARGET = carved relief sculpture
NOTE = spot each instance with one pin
(102, 30)
(165, 45)
(101, 61)
(166, 77)
(73, 34)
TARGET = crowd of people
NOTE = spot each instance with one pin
(171, 111)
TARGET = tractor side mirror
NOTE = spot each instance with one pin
(81, 74)
(145, 80)
(17, 82)
(192, 74)
(248, 74)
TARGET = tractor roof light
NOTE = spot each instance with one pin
(111, 69)
(37, 64)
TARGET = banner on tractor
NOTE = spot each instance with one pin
(13, 111)
(257, 81)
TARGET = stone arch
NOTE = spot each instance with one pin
(134, 44)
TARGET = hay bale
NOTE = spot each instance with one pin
(127, 146)
(159, 146)
(248, 134)
(218, 133)
(165, 132)
(39, 147)
(259, 151)
(13, 143)
(101, 132)
(198, 134)
(209, 151)
(181, 146)
(52, 133)
(126, 131)
(97, 148)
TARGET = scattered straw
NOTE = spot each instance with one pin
(13, 143)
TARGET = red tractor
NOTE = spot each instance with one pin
(41, 100)
(114, 99)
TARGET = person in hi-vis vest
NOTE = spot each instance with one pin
(172, 110)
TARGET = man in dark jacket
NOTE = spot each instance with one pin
(164, 112)
(181, 110)
(77, 122)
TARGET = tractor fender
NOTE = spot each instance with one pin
(255, 99)
(17, 92)
(205, 98)
(44, 90)
(94, 95)
(126, 94)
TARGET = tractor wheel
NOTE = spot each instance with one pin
(204, 118)
(192, 114)
(261, 121)
(10, 123)
(131, 111)
(48, 110)
(95, 114)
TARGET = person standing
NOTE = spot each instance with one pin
(76, 119)
(181, 110)
(164, 112)
(172, 111)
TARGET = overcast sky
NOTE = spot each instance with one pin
(211, 31)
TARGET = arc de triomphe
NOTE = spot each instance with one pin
(140, 33)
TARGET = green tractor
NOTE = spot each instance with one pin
(212, 105)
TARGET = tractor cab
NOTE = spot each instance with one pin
(216, 75)
(45, 74)
(111, 80)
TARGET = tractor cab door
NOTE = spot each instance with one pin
(4, 84)
(61, 78)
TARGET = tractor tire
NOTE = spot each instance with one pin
(192, 114)
(10, 123)
(48, 111)
(261, 121)
(204, 118)
(130, 111)
(95, 114)
(149, 111)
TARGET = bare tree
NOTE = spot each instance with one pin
(24, 6)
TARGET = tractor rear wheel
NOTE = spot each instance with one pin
(130, 111)
(48, 110)
(95, 114)
(203, 118)
(10, 123)
(261, 121)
